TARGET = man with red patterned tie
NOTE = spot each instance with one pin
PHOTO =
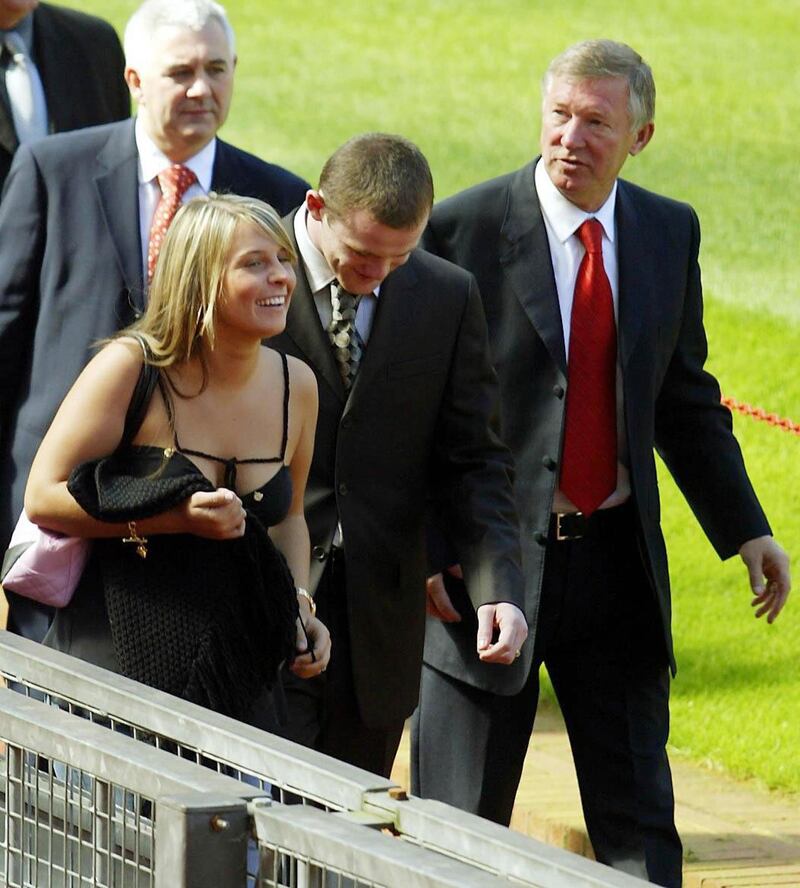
(591, 289)
(83, 214)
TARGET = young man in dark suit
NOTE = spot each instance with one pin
(591, 288)
(406, 396)
(80, 65)
(77, 219)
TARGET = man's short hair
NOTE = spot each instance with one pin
(384, 174)
(607, 58)
(155, 14)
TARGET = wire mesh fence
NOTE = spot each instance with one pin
(97, 772)
(65, 827)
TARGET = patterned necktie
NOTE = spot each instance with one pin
(589, 459)
(174, 181)
(25, 91)
(347, 344)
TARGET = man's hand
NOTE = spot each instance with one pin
(770, 580)
(438, 602)
(510, 620)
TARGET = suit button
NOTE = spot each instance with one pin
(347, 422)
(540, 537)
(343, 491)
(549, 463)
(318, 553)
(558, 391)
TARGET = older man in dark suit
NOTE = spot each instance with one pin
(406, 395)
(591, 288)
(82, 218)
(76, 62)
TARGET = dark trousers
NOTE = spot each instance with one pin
(600, 637)
(323, 712)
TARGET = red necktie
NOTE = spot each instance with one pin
(589, 458)
(174, 182)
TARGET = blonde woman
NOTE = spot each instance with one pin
(184, 588)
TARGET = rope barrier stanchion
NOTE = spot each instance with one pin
(761, 415)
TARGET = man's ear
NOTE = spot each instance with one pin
(315, 203)
(642, 138)
(134, 83)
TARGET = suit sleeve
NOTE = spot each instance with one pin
(694, 432)
(441, 551)
(477, 505)
(119, 97)
(428, 240)
(103, 52)
(22, 226)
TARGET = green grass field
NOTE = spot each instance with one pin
(461, 79)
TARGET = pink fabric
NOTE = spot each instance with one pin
(49, 570)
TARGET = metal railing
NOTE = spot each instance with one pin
(161, 822)
(80, 805)
(189, 731)
(331, 790)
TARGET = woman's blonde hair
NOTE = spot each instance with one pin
(189, 274)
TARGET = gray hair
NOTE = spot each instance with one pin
(607, 58)
(155, 14)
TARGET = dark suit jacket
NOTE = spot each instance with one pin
(415, 423)
(81, 64)
(496, 230)
(71, 271)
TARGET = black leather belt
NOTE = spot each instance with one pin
(566, 526)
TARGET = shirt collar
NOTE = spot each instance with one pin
(153, 161)
(318, 272)
(563, 216)
(24, 28)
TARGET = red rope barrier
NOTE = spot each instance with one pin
(761, 415)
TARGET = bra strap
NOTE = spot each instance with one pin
(149, 377)
(285, 405)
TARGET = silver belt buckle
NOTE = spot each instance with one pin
(563, 519)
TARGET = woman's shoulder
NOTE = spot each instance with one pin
(118, 362)
(301, 376)
(126, 351)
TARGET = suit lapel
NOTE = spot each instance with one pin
(303, 326)
(53, 53)
(8, 135)
(390, 325)
(637, 285)
(117, 183)
(223, 177)
(525, 257)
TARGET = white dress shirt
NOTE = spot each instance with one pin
(562, 220)
(153, 161)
